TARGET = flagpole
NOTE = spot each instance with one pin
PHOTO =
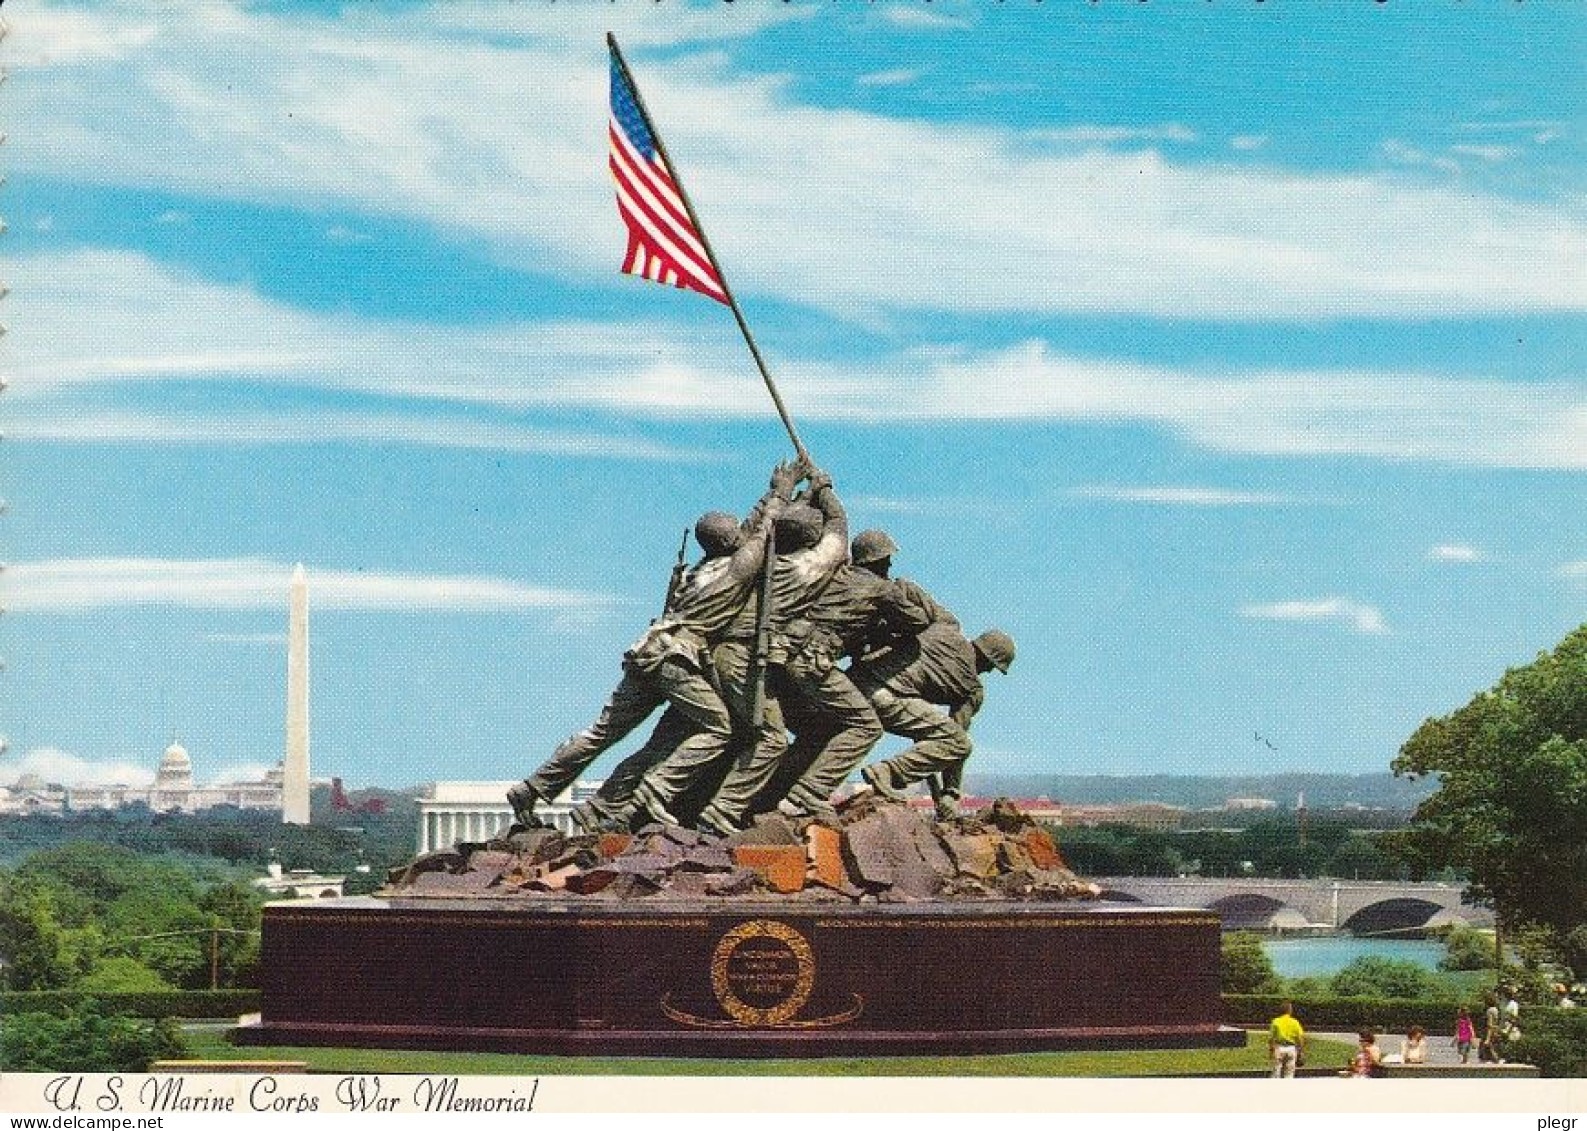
(732, 302)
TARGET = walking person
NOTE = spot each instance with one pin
(1286, 1043)
(1465, 1035)
(1488, 1051)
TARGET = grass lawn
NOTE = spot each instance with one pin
(212, 1045)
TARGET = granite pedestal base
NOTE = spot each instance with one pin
(736, 978)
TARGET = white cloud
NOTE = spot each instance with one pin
(925, 506)
(65, 768)
(1114, 135)
(247, 772)
(577, 26)
(1489, 153)
(182, 327)
(1187, 496)
(1247, 143)
(342, 234)
(916, 16)
(898, 76)
(1520, 125)
(1455, 552)
(60, 36)
(1403, 153)
(1574, 569)
(254, 583)
(1362, 619)
(375, 115)
(331, 427)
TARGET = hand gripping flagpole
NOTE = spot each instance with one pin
(732, 302)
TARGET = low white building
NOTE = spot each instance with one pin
(31, 794)
(1250, 804)
(173, 790)
(300, 883)
(455, 811)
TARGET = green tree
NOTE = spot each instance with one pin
(167, 935)
(33, 945)
(1466, 948)
(119, 974)
(1372, 976)
(237, 908)
(1246, 967)
(1360, 858)
(1511, 808)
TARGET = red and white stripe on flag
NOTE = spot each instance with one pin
(663, 244)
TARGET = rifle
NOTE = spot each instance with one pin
(757, 710)
(678, 569)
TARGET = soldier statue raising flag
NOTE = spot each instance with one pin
(765, 616)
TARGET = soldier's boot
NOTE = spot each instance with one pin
(713, 820)
(879, 776)
(653, 807)
(523, 798)
(586, 819)
(947, 807)
(800, 803)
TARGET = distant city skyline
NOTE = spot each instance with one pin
(1229, 356)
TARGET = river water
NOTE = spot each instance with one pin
(1323, 955)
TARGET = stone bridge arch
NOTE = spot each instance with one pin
(1252, 911)
(1400, 915)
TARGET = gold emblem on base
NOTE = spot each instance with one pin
(762, 973)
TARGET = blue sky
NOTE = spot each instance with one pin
(1228, 355)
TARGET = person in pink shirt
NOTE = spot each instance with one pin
(1465, 1035)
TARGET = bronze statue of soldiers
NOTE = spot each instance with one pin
(834, 724)
(810, 545)
(670, 661)
(910, 682)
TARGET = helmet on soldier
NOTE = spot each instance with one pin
(996, 648)
(798, 528)
(872, 546)
(718, 534)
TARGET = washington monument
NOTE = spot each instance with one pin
(295, 766)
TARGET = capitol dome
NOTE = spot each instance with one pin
(175, 766)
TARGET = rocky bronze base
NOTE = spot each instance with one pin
(753, 978)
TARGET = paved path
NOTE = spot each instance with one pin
(1440, 1048)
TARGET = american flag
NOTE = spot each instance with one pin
(663, 243)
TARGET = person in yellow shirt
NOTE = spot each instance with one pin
(1286, 1042)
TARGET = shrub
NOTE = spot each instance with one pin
(1246, 967)
(1466, 948)
(1345, 1014)
(1372, 976)
(1555, 1040)
(174, 1003)
(86, 1040)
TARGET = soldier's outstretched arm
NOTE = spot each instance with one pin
(784, 478)
(964, 712)
(747, 560)
(833, 548)
(920, 605)
(901, 614)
